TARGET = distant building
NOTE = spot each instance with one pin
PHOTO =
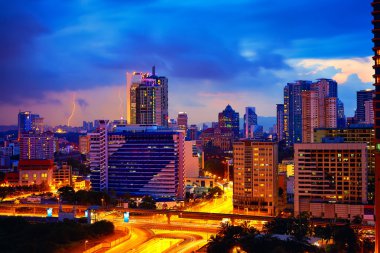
(361, 97)
(255, 176)
(250, 120)
(330, 179)
(341, 116)
(37, 146)
(228, 118)
(280, 122)
(193, 132)
(182, 121)
(84, 144)
(293, 111)
(222, 138)
(191, 159)
(369, 113)
(27, 122)
(36, 172)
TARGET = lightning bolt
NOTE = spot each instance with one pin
(72, 112)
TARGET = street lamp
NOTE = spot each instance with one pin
(102, 202)
(85, 244)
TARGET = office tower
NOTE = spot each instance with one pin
(280, 122)
(228, 118)
(376, 108)
(182, 121)
(26, 121)
(330, 179)
(250, 120)
(99, 156)
(355, 134)
(193, 132)
(368, 112)
(309, 114)
(139, 160)
(147, 97)
(255, 176)
(361, 97)
(222, 138)
(37, 146)
(341, 116)
(319, 108)
(293, 111)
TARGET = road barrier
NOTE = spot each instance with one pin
(107, 245)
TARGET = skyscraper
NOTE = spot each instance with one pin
(319, 108)
(27, 121)
(341, 116)
(293, 111)
(228, 118)
(147, 97)
(376, 108)
(250, 120)
(280, 122)
(361, 97)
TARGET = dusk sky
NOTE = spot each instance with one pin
(214, 52)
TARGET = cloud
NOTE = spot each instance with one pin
(82, 102)
(362, 67)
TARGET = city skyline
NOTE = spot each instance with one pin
(217, 53)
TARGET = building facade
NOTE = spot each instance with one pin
(293, 111)
(329, 173)
(147, 98)
(355, 134)
(255, 176)
(36, 172)
(228, 118)
(38, 146)
(140, 161)
(361, 97)
(250, 120)
(27, 122)
(280, 122)
(182, 121)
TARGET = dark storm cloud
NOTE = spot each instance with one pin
(68, 45)
(82, 102)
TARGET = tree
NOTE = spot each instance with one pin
(345, 239)
(67, 193)
(4, 191)
(148, 202)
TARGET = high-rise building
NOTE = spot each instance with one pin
(148, 99)
(99, 156)
(139, 160)
(193, 132)
(361, 97)
(376, 108)
(330, 179)
(341, 116)
(293, 111)
(280, 122)
(250, 120)
(222, 138)
(255, 176)
(27, 122)
(319, 108)
(228, 118)
(182, 121)
(369, 113)
(355, 134)
(37, 146)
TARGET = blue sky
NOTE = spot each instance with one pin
(56, 53)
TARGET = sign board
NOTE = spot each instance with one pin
(49, 212)
(126, 217)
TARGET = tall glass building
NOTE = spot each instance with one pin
(144, 161)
